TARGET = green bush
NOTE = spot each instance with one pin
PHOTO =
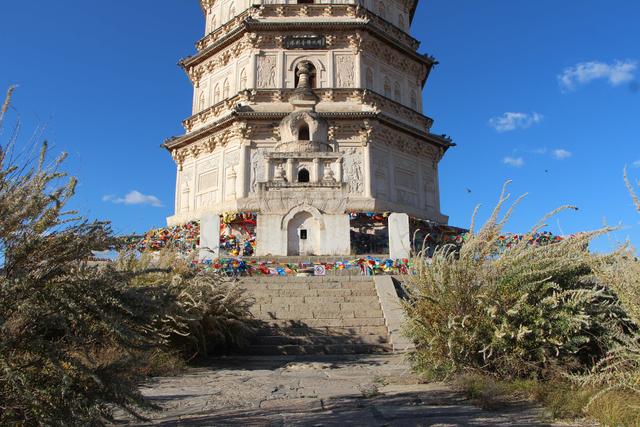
(528, 311)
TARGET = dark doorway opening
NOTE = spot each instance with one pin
(303, 175)
(303, 133)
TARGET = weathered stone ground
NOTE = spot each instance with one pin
(317, 391)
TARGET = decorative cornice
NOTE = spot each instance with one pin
(251, 20)
(367, 97)
(173, 144)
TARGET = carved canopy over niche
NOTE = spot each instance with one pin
(304, 131)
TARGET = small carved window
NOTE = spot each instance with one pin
(202, 102)
(369, 78)
(225, 89)
(303, 133)
(382, 10)
(216, 94)
(214, 22)
(243, 79)
(397, 92)
(414, 100)
(303, 175)
(387, 88)
(232, 12)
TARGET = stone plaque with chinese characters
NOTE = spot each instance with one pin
(305, 42)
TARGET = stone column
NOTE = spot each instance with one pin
(316, 170)
(209, 237)
(339, 168)
(267, 171)
(244, 170)
(399, 236)
(366, 171)
(232, 183)
(222, 177)
(177, 196)
(290, 177)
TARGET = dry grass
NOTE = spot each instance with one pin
(561, 399)
(616, 408)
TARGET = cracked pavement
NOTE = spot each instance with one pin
(316, 391)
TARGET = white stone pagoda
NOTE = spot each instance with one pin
(306, 113)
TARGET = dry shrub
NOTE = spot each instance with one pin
(618, 374)
(74, 340)
(529, 311)
(203, 313)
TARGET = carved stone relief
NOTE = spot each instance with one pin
(429, 188)
(345, 71)
(258, 172)
(185, 190)
(354, 172)
(231, 159)
(266, 71)
(380, 173)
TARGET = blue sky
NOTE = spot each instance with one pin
(546, 93)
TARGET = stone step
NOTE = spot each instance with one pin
(316, 314)
(371, 307)
(322, 331)
(250, 287)
(278, 300)
(324, 323)
(314, 340)
(299, 350)
(306, 279)
(289, 292)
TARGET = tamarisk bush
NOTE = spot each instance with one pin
(74, 338)
(527, 311)
(55, 313)
(620, 369)
(204, 313)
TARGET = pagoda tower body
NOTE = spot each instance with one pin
(307, 114)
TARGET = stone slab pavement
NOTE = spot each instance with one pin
(375, 390)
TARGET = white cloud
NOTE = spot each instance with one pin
(516, 162)
(134, 198)
(618, 73)
(561, 154)
(636, 164)
(511, 121)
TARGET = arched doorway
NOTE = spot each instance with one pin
(303, 235)
(303, 175)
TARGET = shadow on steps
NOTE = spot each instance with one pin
(298, 338)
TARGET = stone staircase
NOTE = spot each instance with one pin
(317, 315)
